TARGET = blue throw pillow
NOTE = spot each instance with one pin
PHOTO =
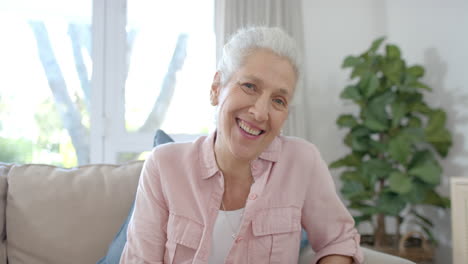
(117, 245)
(304, 240)
(161, 138)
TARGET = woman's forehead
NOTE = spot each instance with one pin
(268, 68)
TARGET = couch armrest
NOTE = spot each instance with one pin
(4, 169)
(370, 257)
(459, 195)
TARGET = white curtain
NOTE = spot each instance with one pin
(231, 15)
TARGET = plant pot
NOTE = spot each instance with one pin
(412, 246)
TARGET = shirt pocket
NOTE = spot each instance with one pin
(183, 239)
(276, 236)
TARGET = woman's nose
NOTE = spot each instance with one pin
(260, 109)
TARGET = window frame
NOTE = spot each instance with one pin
(108, 135)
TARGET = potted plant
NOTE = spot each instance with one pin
(394, 138)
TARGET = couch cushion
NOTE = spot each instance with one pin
(58, 215)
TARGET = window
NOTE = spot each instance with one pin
(150, 67)
(45, 63)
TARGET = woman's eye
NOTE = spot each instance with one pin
(249, 86)
(279, 101)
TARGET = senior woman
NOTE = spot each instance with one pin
(242, 194)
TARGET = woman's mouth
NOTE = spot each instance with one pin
(248, 129)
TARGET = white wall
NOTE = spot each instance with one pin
(433, 33)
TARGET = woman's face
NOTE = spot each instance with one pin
(253, 104)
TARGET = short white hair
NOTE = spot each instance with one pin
(247, 40)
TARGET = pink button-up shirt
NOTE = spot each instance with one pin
(180, 192)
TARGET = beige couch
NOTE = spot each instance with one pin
(51, 215)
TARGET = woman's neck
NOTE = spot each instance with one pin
(235, 170)
(237, 177)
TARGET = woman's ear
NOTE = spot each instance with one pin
(215, 88)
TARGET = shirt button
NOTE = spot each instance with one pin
(239, 239)
(253, 196)
(255, 166)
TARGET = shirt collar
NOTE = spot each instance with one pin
(208, 160)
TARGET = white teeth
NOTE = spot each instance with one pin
(248, 129)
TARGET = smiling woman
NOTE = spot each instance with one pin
(243, 193)
(254, 99)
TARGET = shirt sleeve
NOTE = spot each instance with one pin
(146, 234)
(329, 225)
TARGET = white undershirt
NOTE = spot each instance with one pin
(222, 234)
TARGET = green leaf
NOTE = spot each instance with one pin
(418, 192)
(410, 83)
(442, 147)
(369, 85)
(363, 195)
(373, 86)
(351, 160)
(362, 218)
(441, 140)
(418, 85)
(371, 121)
(436, 120)
(437, 134)
(380, 147)
(407, 88)
(346, 121)
(421, 86)
(376, 168)
(414, 134)
(361, 70)
(421, 108)
(416, 71)
(425, 220)
(429, 234)
(375, 115)
(428, 172)
(399, 110)
(377, 61)
(351, 92)
(358, 138)
(393, 52)
(351, 61)
(357, 176)
(393, 70)
(359, 144)
(365, 209)
(411, 98)
(421, 157)
(390, 203)
(350, 175)
(433, 198)
(376, 44)
(360, 131)
(414, 122)
(399, 148)
(351, 188)
(348, 139)
(399, 182)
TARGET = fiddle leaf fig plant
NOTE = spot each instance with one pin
(394, 140)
